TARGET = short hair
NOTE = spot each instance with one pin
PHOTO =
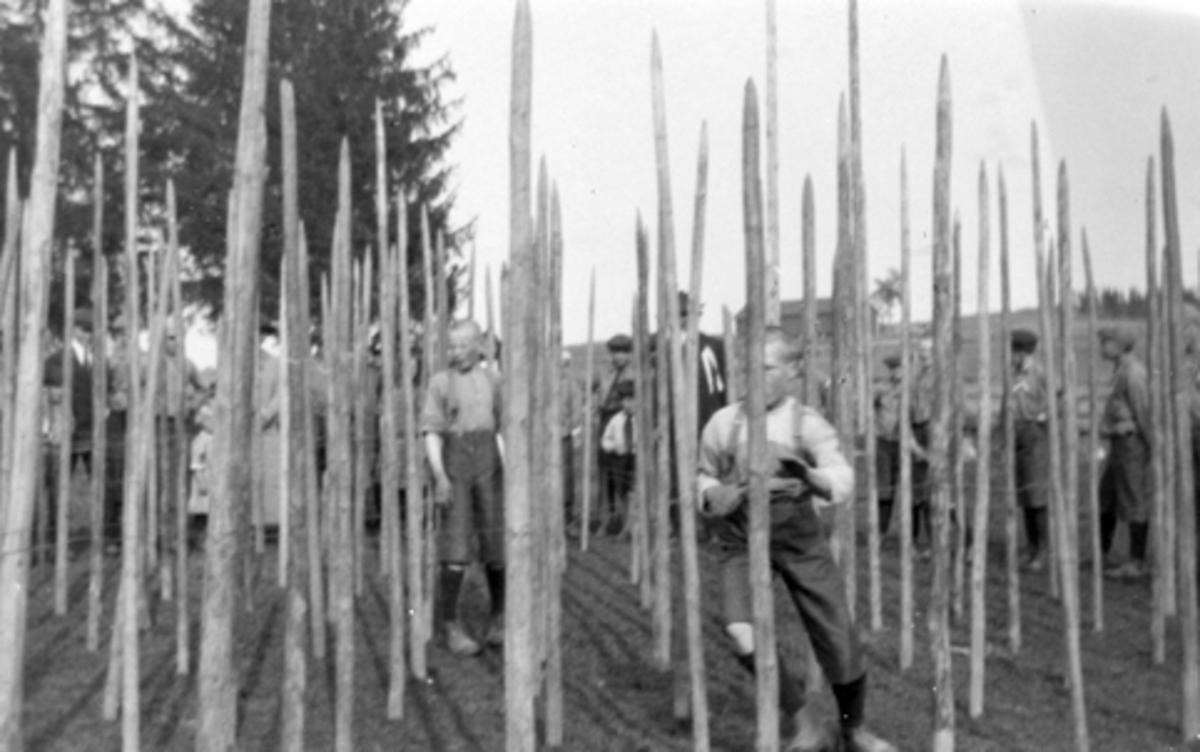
(777, 336)
(464, 324)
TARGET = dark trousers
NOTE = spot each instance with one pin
(802, 560)
(1032, 454)
(475, 514)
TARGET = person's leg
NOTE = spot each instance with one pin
(489, 498)
(454, 551)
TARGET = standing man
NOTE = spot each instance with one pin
(620, 353)
(1031, 406)
(887, 441)
(808, 471)
(921, 416)
(461, 423)
(1125, 484)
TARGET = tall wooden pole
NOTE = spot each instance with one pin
(520, 675)
(733, 380)
(99, 409)
(216, 728)
(774, 309)
(905, 494)
(37, 236)
(649, 486)
(1069, 579)
(1185, 489)
(179, 462)
(1093, 443)
(843, 389)
(68, 430)
(958, 487)
(1163, 553)
(294, 366)
(983, 488)
(556, 540)
(586, 486)
(1011, 529)
(685, 439)
(765, 655)
(414, 508)
(939, 607)
(808, 250)
(312, 511)
(1069, 386)
(130, 591)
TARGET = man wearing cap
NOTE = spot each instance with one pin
(887, 441)
(1030, 407)
(1125, 484)
(77, 347)
(807, 470)
(620, 353)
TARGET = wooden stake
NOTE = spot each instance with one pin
(774, 310)
(557, 549)
(1011, 531)
(983, 464)
(520, 675)
(733, 380)
(1093, 443)
(765, 665)
(99, 411)
(216, 727)
(179, 461)
(37, 237)
(685, 439)
(1069, 579)
(904, 490)
(650, 490)
(943, 312)
(294, 410)
(808, 246)
(312, 511)
(68, 431)
(1067, 353)
(414, 501)
(1163, 553)
(1185, 499)
(958, 550)
(587, 487)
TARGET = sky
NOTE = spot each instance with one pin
(1094, 77)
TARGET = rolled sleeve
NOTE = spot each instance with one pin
(819, 439)
(433, 413)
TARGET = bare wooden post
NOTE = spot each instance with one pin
(983, 466)
(589, 428)
(733, 380)
(1011, 531)
(1163, 553)
(1093, 443)
(1039, 231)
(649, 490)
(68, 429)
(341, 459)
(556, 541)
(295, 407)
(130, 537)
(1185, 498)
(312, 510)
(939, 607)
(845, 392)
(808, 246)
(414, 501)
(958, 549)
(37, 236)
(1069, 578)
(904, 491)
(520, 685)
(430, 362)
(765, 660)
(178, 463)
(360, 342)
(471, 285)
(685, 439)
(99, 409)
(774, 312)
(1069, 387)
(216, 729)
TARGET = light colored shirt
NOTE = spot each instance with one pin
(1030, 401)
(723, 447)
(460, 402)
(618, 439)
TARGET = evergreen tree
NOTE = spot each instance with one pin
(341, 55)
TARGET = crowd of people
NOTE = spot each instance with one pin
(460, 421)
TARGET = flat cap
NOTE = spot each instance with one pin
(1024, 340)
(1122, 335)
(892, 361)
(623, 389)
(620, 343)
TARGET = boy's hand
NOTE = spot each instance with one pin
(441, 490)
(721, 500)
